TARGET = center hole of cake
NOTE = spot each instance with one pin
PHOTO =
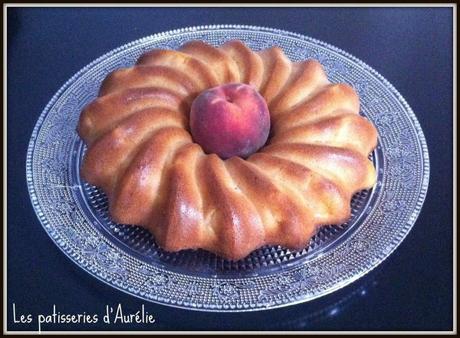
(230, 120)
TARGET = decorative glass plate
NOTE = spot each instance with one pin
(74, 214)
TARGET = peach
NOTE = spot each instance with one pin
(230, 120)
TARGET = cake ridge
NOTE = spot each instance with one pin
(278, 67)
(298, 174)
(179, 214)
(215, 57)
(269, 195)
(96, 116)
(316, 108)
(145, 169)
(124, 137)
(331, 130)
(304, 82)
(141, 76)
(253, 75)
(156, 56)
(344, 156)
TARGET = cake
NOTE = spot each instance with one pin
(294, 175)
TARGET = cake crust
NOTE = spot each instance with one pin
(141, 153)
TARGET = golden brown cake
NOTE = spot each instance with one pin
(142, 155)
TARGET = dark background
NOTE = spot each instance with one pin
(411, 47)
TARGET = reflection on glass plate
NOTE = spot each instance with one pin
(74, 214)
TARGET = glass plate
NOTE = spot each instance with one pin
(74, 214)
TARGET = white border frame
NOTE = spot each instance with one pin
(454, 188)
